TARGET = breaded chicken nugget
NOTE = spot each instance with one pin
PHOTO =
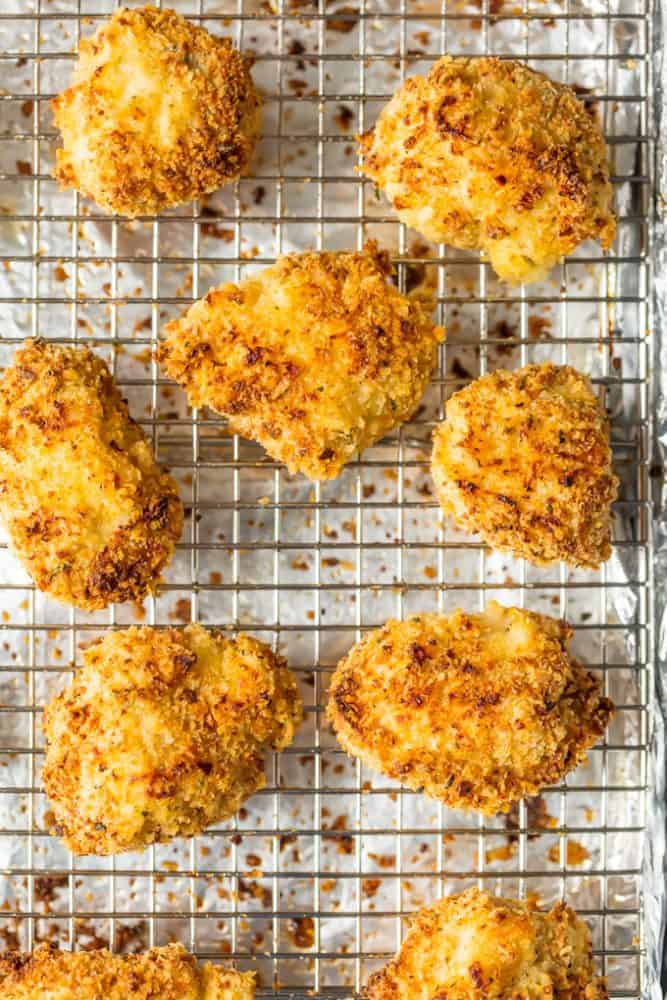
(162, 733)
(476, 710)
(159, 112)
(474, 945)
(523, 458)
(315, 358)
(490, 155)
(168, 973)
(90, 514)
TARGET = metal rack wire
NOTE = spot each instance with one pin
(310, 883)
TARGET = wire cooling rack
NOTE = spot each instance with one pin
(309, 885)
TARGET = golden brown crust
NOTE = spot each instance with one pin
(162, 733)
(490, 155)
(90, 514)
(477, 711)
(523, 458)
(315, 358)
(475, 946)
(167, 973)
(159, 112)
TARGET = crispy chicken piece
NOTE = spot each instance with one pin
(490, 155)
(161, 734)
(158, 112)
(476, 710)
(315, 358)
(523, 458)
(90, 514)
(475, 945)
(167, 973)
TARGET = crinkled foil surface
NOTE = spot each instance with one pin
(311, 884)
(654, 873)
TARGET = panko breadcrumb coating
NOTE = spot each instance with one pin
(474, 945)
(523, 458)
(158, 112)
(162, 733)
(90, 514)
(476, 710)
(315, 358)
(167, 973)
(490, 155)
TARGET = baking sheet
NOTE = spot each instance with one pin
(311, 882)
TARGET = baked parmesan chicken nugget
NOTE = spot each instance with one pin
(523, 459)
(168, 973)
(315, 358)
(474, 946)
(476, 710)
(158, 112)
(490, 155)
(162, 733)
(90, 514)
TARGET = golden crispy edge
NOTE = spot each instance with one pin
(132, 178)
(576, 164)
(381, 339)
(467, 907)
(461, 787)
(169, 970)
(582, 537)
(161, 662)
(128, 567)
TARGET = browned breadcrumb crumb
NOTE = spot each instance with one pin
(159, 112)
(475, 945)
(315, 358)
(489, 154)
(162, 733)
(575, 853)
(523, 458)
(476, 710)
(90, 514)
(167, 973)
